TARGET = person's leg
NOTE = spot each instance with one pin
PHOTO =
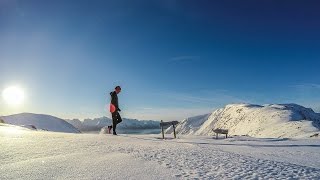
(114, 122)
(109, 129)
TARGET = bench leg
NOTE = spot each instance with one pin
(216, 135)
(226, 136)
(174, 131)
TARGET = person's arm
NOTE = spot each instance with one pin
(114, 100)
(117, 103)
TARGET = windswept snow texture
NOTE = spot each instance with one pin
(98, 123)
(47, 155)
(273, 120)
(40, 121)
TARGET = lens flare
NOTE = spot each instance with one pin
(13, 95)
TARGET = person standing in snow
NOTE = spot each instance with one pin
(114, 109)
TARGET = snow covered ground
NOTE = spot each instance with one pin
(27, 154)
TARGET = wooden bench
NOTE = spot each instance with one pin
(166, 124)
(220, 131)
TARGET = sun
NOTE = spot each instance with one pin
(13, 95)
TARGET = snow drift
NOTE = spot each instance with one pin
(40, 121)
(272, 120)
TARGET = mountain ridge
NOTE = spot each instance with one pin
(264, 121)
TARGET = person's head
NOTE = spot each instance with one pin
(117, 89)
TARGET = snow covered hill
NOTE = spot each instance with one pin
(272, 120)
(40, 121)
(189, 125)
(98, 123)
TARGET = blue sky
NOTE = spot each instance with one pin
(173, 59)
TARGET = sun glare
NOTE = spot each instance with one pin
(13, 95)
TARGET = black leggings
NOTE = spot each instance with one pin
(116, 119)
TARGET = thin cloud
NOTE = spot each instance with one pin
(169, 5)
(306, 86)
(184, 58)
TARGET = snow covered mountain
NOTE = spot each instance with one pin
(98, 123)
(190, 125)
(40, 121)
(272, 120)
